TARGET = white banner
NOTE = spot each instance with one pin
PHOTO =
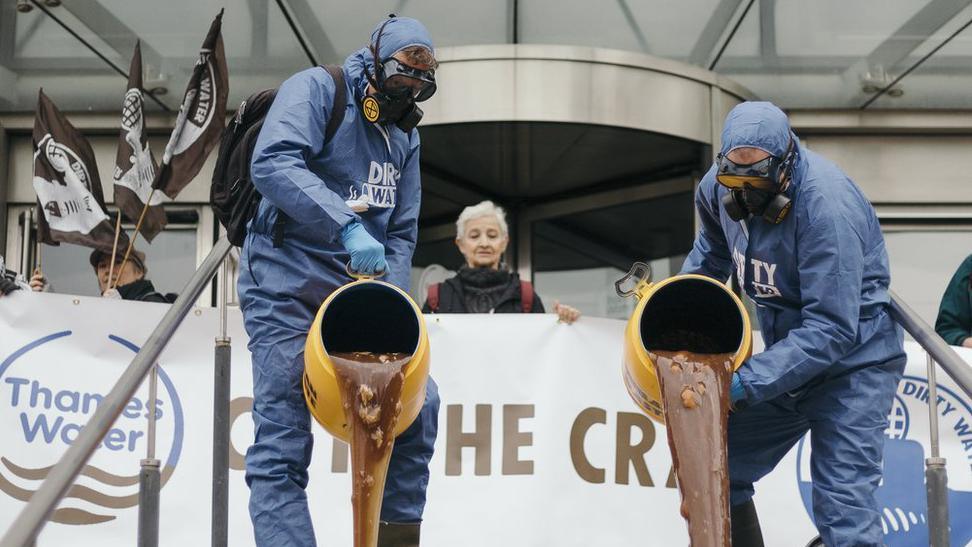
(538, 441)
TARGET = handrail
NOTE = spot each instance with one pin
(32, 518)
(927, 338)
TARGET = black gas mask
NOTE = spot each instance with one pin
(397, 88)
(757, 188)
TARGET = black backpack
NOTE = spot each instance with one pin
(233, 197)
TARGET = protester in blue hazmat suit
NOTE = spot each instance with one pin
(351, 202)
(806, 246)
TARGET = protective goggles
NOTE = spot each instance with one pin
(397, 78)
(761, 175)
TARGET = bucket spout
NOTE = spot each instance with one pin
(682, 313)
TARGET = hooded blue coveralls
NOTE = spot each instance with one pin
(282, 288)
(834, 356)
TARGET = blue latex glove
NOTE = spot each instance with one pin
(367, 255)
(736, 391)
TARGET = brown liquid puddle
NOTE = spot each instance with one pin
(371, 386)
(695, 392)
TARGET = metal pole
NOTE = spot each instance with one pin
(148, 503)
(37, 511)
(936, 476)
(25, 263)
(149, 479)
(221, 422)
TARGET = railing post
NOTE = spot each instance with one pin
(149, 477)
(148, 503)
(221, 422)
(936, 476)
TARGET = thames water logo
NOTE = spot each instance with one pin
(48, 391)
(901, 495)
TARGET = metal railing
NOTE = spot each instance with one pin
(936, 477)
(38, 510)
(35, 514)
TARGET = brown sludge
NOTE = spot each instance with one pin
(695, 392)
(371, 386)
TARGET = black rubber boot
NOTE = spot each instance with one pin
(745, 525)
(816, 542)
(391, 534)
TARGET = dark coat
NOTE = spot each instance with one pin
(144, 291)
(954, 322)
(479, 290)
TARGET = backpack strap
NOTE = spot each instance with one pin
(432, 297)
(333, 123)
(526, 296)
(340, 101)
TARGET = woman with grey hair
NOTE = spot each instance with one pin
(484, 284)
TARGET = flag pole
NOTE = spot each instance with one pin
(114, 248)
(131, 242)
(39, 242)
(39, 247)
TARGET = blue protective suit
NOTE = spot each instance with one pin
(282, 288)
(833, 355)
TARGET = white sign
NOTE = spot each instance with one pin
(538, 445)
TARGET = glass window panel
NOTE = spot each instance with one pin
(170, 259)
(941, 81)
(589, 290)
(838, 28)
(746, 42)
(816, 58)
(261, 52)
(39, 37)
(668, 29)
(922, 264)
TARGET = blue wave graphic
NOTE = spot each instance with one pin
(902, 499)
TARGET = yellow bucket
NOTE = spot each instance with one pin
(692, 303)
(366, 315)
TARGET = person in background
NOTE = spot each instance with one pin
(954, 323)
(9, 280)
(130, 282)
(484, 284)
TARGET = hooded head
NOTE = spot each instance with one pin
(388, 104)
(757, 124)
(398, 34)
(757, 183)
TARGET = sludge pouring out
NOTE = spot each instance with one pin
(371, 389)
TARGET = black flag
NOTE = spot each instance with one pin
(201, 117)
(67, 184)
(135, 165)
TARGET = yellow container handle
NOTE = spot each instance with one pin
(363, 277)
(640, 272)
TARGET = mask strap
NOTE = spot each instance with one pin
(787, 168)
(375, 48)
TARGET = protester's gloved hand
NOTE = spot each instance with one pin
(367, 255)
(736, 391)
(7, 286)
